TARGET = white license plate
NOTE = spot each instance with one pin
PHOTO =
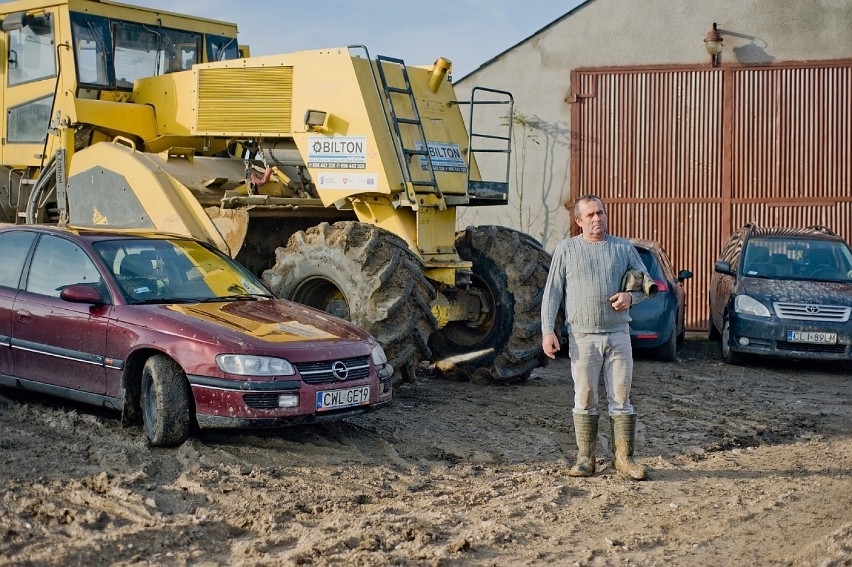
(335, 399)
(811, 337)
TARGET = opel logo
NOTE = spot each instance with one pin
(340, 371)
(812, 309)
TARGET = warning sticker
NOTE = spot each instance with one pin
(337, 152)
(344, 180)
(444, 157)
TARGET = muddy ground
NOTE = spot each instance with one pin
(748, 466)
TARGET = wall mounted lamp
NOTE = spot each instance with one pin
(713, 45)
(315, 120)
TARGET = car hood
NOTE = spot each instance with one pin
(245, 323)
(798, 291)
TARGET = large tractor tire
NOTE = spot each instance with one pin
(510, 268)
(366, 275)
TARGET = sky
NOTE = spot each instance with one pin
(467, 32)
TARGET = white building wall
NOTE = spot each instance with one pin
(602, 33)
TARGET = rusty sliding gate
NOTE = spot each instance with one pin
(685, 156)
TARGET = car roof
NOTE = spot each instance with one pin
(814, 231)
(652, 245)
(92, 233)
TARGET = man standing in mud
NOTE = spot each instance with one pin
(586, 272)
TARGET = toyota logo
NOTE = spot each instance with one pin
(340, 371)
(812, 309)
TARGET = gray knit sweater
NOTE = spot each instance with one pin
(585, 275)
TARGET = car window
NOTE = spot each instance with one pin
(733, 248)
(756, 259)
(650, 262)
(58, 263)
(666, 266)
(15, 246)
(161, 270)
(797, 258)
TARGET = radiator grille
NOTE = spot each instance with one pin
(811, 312)
(323, 371)
(244, 101)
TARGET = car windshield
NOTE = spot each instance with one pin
(176, 271)
(797, 259)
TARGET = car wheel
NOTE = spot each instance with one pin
(681, 337)
(165, 402)
(667, 352)
(509, 271)
(729, 356)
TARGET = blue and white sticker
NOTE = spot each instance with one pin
(337, 152)
(444, 157)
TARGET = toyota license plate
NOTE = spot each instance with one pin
(811, 337)
(335, 399)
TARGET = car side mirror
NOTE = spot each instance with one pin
(683, 275)
(81, 294)
(724, 268)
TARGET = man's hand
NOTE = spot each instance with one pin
(550, 345)
(621, 301)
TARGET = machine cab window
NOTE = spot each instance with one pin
(31, 54)
(30, 58)
(221, 48)
(148, 51)
(114, 53)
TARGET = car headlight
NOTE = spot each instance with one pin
(378, 355)
(249, 365)
(380, 359)
(750, 306)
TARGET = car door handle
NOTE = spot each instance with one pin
(23, 315)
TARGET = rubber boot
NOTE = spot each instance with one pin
(623, 428)
(586, 432)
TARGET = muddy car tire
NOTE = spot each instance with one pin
(165, 402)
(366, 275)
(728, 355)
(511, 268)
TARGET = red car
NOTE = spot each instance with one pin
(173, 334)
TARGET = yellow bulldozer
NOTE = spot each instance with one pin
(335, 176)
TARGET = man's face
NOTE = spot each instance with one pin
(592, 220)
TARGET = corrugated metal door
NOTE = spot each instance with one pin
(685, 156)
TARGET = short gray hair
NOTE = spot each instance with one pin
(575, 208)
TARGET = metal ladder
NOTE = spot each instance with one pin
(397, 121)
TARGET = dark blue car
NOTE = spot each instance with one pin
(783, 292)
(657, 323)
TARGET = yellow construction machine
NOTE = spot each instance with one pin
(334, 175)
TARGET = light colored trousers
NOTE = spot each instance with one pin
(596, 354)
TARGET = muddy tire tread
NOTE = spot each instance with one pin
(525, 265)
(165, 402)
(382, 280)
